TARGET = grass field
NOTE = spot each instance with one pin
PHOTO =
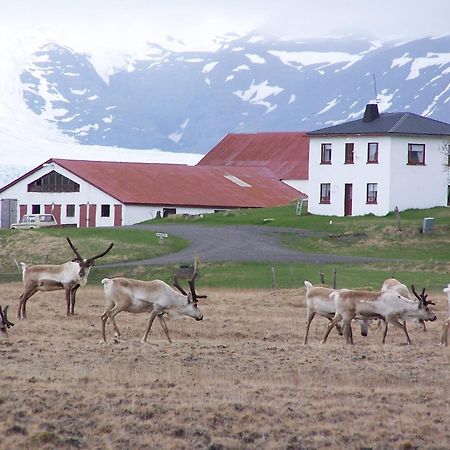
(240, 379)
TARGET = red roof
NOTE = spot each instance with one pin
(286, 154)
(176, 184)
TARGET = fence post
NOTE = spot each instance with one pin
(322, 277)
(274, 283)
(334, 278)
(292, 277)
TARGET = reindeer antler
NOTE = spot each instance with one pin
(104, 253)
(79, 258)
(192, 287)
(4, 318)
(422, 297)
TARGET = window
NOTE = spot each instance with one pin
(448, 195)
(35, 209)
(325, 193)
(416, 154)
(372, 153)
(53, 182)
(372, 190)
(105, 210)
(325, 155)
(349, 150)
(70, 211)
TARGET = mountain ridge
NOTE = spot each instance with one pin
(186, 101)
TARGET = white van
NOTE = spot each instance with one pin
(30, 221)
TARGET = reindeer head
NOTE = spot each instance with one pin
(86, 264)
(423, 305)
(191, 309)
(4, 322)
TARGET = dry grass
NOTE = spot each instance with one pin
(241, 379)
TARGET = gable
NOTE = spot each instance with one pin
(53, 182)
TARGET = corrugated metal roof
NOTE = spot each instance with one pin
(403, 123)
(286, 154)
(176, 184)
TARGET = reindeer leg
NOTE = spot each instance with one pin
(445, 328)
(310, 317)
(152, 317)
(163, 324)
(330, 326)
(110, 314)
(401, 325)
(67, 292)
(385, 331)
(21, 312)
(73, 292)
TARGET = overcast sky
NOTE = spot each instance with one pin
(121, 23)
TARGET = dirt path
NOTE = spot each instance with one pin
(238, 243)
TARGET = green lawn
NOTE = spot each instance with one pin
(426, 258)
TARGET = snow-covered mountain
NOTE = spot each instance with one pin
(186, 101)
(177, 104)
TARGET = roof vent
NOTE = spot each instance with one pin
(371, 113)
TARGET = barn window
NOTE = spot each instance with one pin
(70, 211)
(35, 209)
(372, 153)
(416, 154)
(105, 211)
(53, 182)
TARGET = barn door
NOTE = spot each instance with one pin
(117, 215)
(83, 216)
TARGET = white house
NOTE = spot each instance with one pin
(103, 193)
(377, 163)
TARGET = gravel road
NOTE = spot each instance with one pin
(236, 243)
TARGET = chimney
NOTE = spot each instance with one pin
(371, 113)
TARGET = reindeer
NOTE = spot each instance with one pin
(446, 325)
(318, 301)
(155, 297)
(4, 322)
(68, 276)
(392, 284)
(388, 306)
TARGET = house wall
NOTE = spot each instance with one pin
(139, 213)
(399, 184)
(419, 186)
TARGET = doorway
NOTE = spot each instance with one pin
(348, 193)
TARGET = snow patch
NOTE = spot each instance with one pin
(255, 59)
(257, 93)
(210, 66)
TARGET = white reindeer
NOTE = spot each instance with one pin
(387, 306)
(394, 285)
(446, 324)
(155, 297)
(68, 276)
(318, 301)
(4, 322)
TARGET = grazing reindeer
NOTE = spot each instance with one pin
(4, 322)
(318, 301)
(392, 284)
(387, 306)
(446, 325)
(155, 297)
(68, 276)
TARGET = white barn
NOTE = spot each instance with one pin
(377, 163)
(105, 193)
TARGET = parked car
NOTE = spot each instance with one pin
(30, 221)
